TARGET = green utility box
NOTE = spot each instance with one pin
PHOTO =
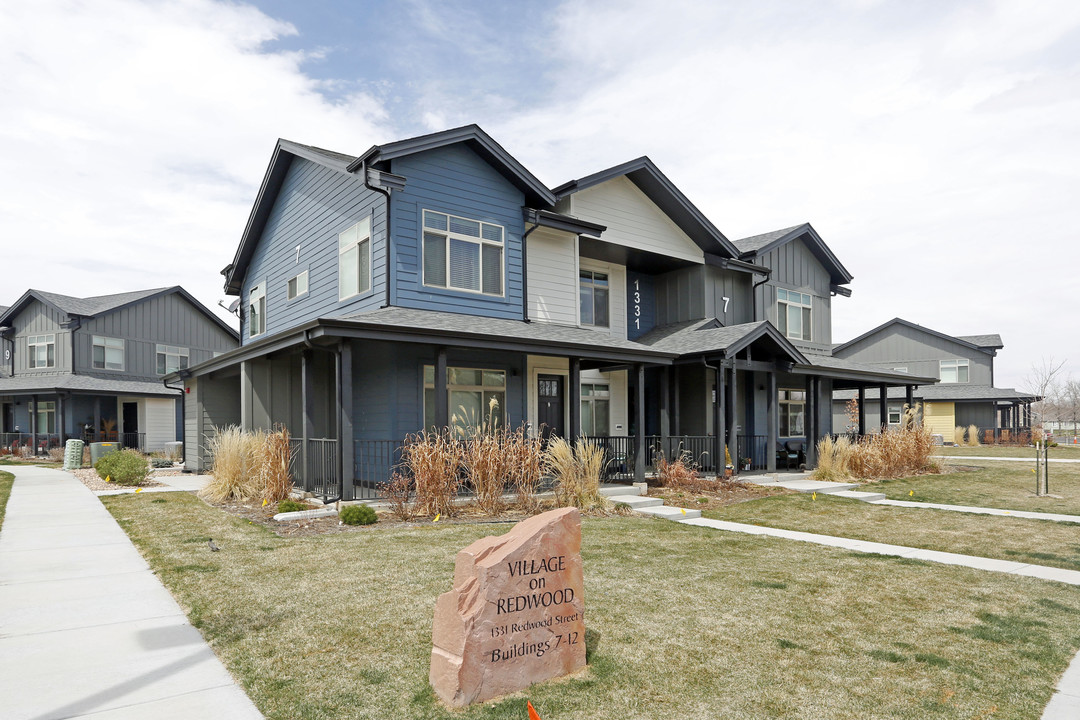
(100, 450)
(73, 450)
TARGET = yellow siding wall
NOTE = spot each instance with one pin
(940, 418)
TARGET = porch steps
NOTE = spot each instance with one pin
(808, 486)
(858, 495)
(654, 507)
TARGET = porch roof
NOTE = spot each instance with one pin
(81, 384)
(847, 374)
(952, 392)
(708, 337)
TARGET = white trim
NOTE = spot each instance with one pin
(43, 340)
(289, 286)
(807, 332)
(362, 230)
(480, 242)
(256, 293)
(172, 351)
(94, 344)
(958, 363)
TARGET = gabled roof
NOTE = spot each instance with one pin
(537, 193)
(705, 337)
(658, 188)
(842, 369)
(991, 342)
(948, 392)
(89, 307)
(907, 323)
(758, 245)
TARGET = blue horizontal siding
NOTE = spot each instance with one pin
(454, 180)
(313, 205)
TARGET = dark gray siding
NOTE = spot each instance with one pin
(794, 267)
(698, 292)
(975, 413)
(40, 319)
(454, 180)
(920, 352)
(167, 319)
(214, 402)
(314, 205)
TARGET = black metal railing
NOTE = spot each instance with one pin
(21, 442)
(618, 456)
(375, 462)
(317, 472)
(134, 440)
(753, 453)
(700, 450)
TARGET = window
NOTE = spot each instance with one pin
(594, 298)
(595, 409)
(792, 412)
(41, 350)
(45, 413)
(462, 254)
(895, 413)
(171, 358)
(793, 313)
(475, 396)
(954, 371)
(256, 310)
(354, 260)
(297, 286)
(900, 369)
(108, 353)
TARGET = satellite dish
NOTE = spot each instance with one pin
(232, 306)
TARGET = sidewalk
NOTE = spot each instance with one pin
(86, 629)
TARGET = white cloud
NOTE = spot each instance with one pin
(136, 135)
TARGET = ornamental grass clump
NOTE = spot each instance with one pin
(272, 459)
(125, 467)
(973, 436)
(834, 458)
(433, 459)
(485, 467)
(576, 470)
(524, 457)
(235, 475)
(680, 474)
(958, 435)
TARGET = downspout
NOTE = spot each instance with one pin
(525, 273)
(753, 293)
(389, 234)
(720, 442)
(183, 411)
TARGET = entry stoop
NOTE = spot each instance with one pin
(636, 501)
(669, 513)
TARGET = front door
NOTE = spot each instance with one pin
(130, 437)
(549, 411)
(7, 422)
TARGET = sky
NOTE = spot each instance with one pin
(933, 146)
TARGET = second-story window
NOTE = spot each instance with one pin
(354, 260)
(171, 359)
(954, 371)
(594, 298)
(108, 353)
(462, 254)
(41, 350)
(257, 310)
(297, 285)
(793, 314)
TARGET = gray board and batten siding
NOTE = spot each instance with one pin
(40, 319)
(794, 267)
(314, 205)
(457, 181)
(698, 292)
(901, 345)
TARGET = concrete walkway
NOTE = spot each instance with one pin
(86, 629)
(1008, 459)
(1027, 514)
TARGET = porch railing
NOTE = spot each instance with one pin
(134, 441)
(697, 449)
(618, 456)
(376, 461)
(24, 442)
(754, 448)
(319, 473)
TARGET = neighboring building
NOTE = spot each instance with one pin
(93, 368)
(436, 279)
(964, 395)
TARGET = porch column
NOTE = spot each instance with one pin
(810, 424)
(720, 425)
(883, 406)
(60, 417)
(909, 396)
(307, 402)
(442, 401)
(665, 401)
(771, 420)
(676, 423)
(639, 424)
(732, 417)
(862, 410)
(97, 420)
(574, 398)
(33, 423)
(245, 395)
(345, 421)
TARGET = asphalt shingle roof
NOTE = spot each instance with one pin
(696, 336)
(88, 307)
(942, 392)
(983, 341)
(756, 242)
(82, 383)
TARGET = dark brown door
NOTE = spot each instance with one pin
(549, 412)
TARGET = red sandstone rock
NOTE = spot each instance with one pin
(516, 615)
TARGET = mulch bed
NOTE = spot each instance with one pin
(89, 478)
(717, 496)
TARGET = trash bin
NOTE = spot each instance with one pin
(101, 449)
(73, 452)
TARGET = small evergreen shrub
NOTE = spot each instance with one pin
(126, 467)
(161, 462)
(358, 515)
(288, 505)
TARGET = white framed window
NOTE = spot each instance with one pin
(793, 314)
(896, 413)
(297, 285)
(171, 358)
(792, 406)
(594, 298)
(108, 353)
(45, 417)
(41, 350)
(475, 396)
(463, 254)
(953, 371)
(354, 260)
(257, 310)
(595, 409)
(900, 369)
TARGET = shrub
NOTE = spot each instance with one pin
(680, 474)
(973, 436)
(161, 462)
(126, 467)
(576, 469)
(485, 467)
(56, 454)
(358, 515)
(234, 475)
(884, 455)
(434, 460)
(399, 492)
(288, 505)
(272, 459)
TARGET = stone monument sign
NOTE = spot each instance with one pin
(516, 614)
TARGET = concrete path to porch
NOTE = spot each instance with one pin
(1004, 459)
(86, 629)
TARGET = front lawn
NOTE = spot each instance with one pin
(998, 484)
(6, 482)
(693, 622)
(1040, 542)
(1062, 452)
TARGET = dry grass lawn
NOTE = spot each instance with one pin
(693, 622)
(6, 481)
(1062, 452)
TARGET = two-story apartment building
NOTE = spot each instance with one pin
(436, 281)
(93, 368)
(964, 366)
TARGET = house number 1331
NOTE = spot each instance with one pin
(637, 305)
